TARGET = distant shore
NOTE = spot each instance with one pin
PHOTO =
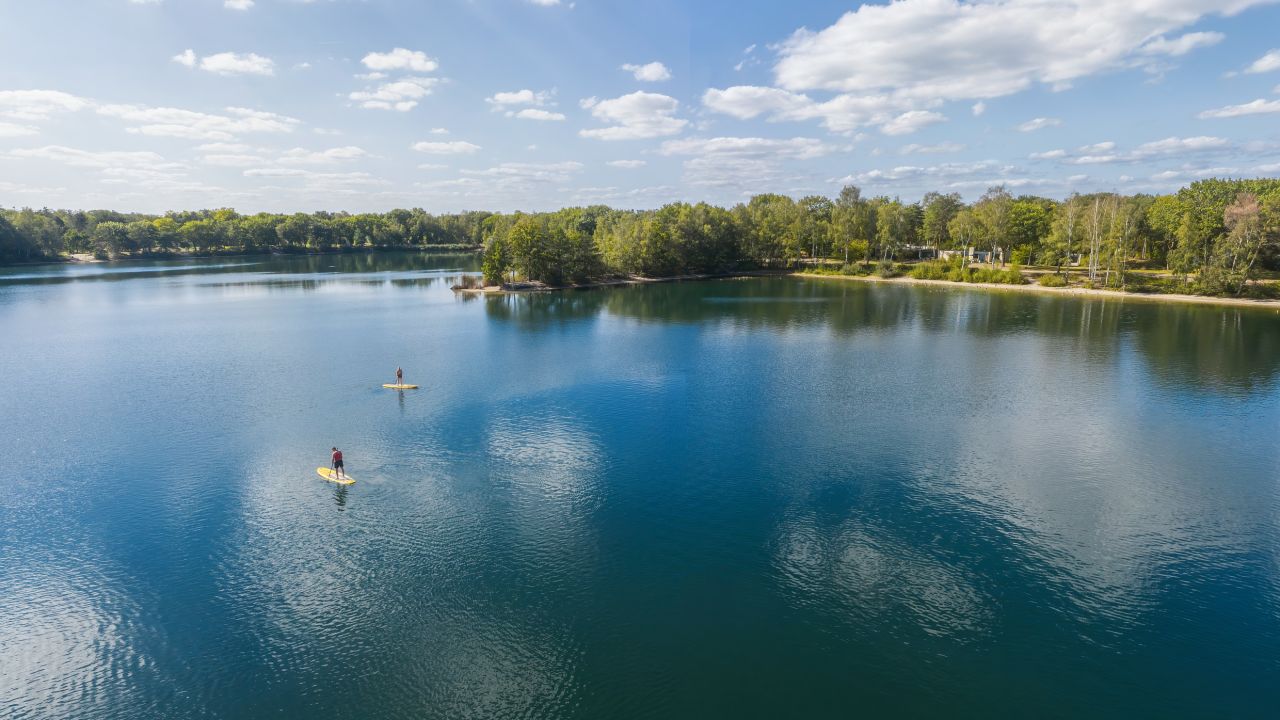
(89, 258)
(1069, 291)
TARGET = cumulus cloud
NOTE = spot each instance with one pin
(1104, 153)
(627, 164)
(1181, 45)
(842, 114)
(1022, 43)
(400, 59)
(637, 116)
(537, 114)
(519, 97)
(302, 156)
(747, 164)
(228, 63)
(940, 148)
(237, 4)
(35, 105)
(649, 72)
(949, 50)
(911, 121)
(1257, 107)
(1266, 63)
(175, 122)
(1039, 123)
(399, 95)
(454, 147)
(91, 159)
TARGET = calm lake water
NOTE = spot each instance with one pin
(744, 498)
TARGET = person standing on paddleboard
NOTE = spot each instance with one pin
(336, 461)
(399, 376)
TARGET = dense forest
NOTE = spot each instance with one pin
(1213, 237)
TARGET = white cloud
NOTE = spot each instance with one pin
(1266, 63)
(1105, 152)
(222, 147)
(979, 108)
(952, 50)
(743, 164)
(401, 59)
(38, 104)
(1257, 107)
(639, 115)
(842, 114)
(1182, 45)
(797, 148)
(544, 3)
(1177, 145)
(302, 156)
(649, 72)
(439, 131)
(455, 147)
(1039, 123)
(232, 160)
(940, 148)
(90, 159)
(399, 95)
(237, 4)
(345, 183)
(175, 122)
(229, 63)
(538, 114)
(627, 164)
(8, 129)
(911, 121)
(507, 101)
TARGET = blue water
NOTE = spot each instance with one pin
(768, 498)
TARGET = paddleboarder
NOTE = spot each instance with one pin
(335, 461)
(399, 376)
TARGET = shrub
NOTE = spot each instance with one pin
(1051, 280)
(469, 282)
(932, 270)
(886, 269)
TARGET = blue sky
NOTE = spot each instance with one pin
(288, 105)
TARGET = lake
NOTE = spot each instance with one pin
(767, 497)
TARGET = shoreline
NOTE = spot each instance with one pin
(89, 259)
(613, 282)
(1062, 291)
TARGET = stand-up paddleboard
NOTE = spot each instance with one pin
(390, 386)
(331, 476)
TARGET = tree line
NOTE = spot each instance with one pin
(29, 235)
(1212, 236)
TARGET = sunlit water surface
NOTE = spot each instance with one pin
(742, 498)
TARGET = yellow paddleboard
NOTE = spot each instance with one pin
(328, 474)
(401, 387)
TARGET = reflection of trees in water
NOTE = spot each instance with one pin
(370, 262)
(1214, 348)
(1205, 346)
(350, 263)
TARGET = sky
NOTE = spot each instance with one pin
(451, 105)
